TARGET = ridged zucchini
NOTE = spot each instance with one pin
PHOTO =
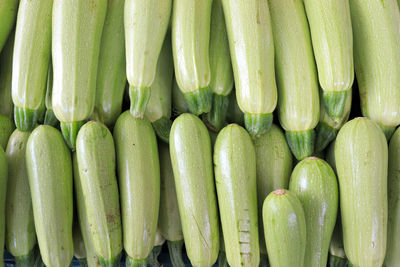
(8, 15)
(95, 153)
(76, 39)
(146, 23)
(377, 60)
(111, 73)
(315, 185)
(179, 105)
(190, 149)
(20, 228)
(32, 51)
(6, 59)
(298, 102)
(361, 155)
(234, 115)
(285, 229)
(49, 166)
(3, 186)
(139, 183)
(50, 118)
(6, 129)
(337, 256)
(191, 22)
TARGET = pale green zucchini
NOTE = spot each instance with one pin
(298, 102)
(79, 245)
(146, 23)
(315, 185)
(179, 105)
(97, 173)
(6, 129)
(234, 115)
(190, 149)
(111, 73)
(361, 155)
(20, 228)
(6, 59)
(139, 183)
(190, 46)
(284, 229)
(8, 15)
(337, 256)
(251, 44)
(3, 186)
(49, 166)
(32, 51)
(76, 39)
(50, 118)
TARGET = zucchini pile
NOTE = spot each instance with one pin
(210, 132)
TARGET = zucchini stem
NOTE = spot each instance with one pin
(70, 132)
(258, 124)
(175, 253)
(25, 119)
(301, 143)
(215, 119)
(162, 127)
(199, 101)
(334, 103)
(325, 134)
(139, 98)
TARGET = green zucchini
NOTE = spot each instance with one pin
(361, 155)
(274, 165)
(190, 149)
(79, 245)
(285, 229)
(32, 51)
(337, 256)
(76, 38)
(139, 183)
(97, 173)
(49, 166)
(20, 228)
(298, 103)
(6, 59)
(191, 22)
(50, 118)
(179, 105)
(236, 182)
(234, 115)
(146, 23)
(6, 129)
(3, 186)
(8, 15)
(315, 185)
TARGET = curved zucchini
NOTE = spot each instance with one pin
(49, 166)
(251, 44)
(3, 186)
(315, 185)
(361, 155)
(337, 256)
(50, 118)
(179, 105)
(6, 129)
(190, 149)
(8, 15)
(298, 103)
(139, 183)
(234, 115)
(32, 51)
(191, 22)
(146, 23)
(6, 61)
(97, 173)
(274, 165)
(285, 229)
(76, 39)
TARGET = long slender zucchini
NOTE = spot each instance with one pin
(315, 185)
(361, 155)
(146, 23)
(8, 15)
(377, 60)
(95, 153)
(50, 118)
(190, 149)
(76, 39)
(6, 129)
(285, 229)
(139, 183)
(6, 59)
(3, 186)
(32, 51)
(179, 105)
(48, 161)
(298, 103)
(111, 73)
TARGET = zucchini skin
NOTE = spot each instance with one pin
(6, 129)
(315, 185)
(50, 118)
(8, 15)
(6, 62)
(234, 114)
(137, 158)
(361, 155)
(3, 186)
(97, 173)
(285, 229)
(49, 165)
(179, 105)
(190, 149)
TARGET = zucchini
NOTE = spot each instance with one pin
(332, 41)
(274, 163)
(285, 229)
(190, 26)
(315, 185)
(298, 103)
(139, 183)
(330, 156)
(251, 44)
(190, 149)
(179, 105)
(97, 173)
(79, 245)
(337, 256)
(234, 115)
(49, 166)
(6, 59)
(8, 15)
(20, 228)
(158, 110)
(377, 60)
(146, 23)
(50, 118)
(3, 186)
(32, 51)
(76, 39)
(361, 155)
(236, 182)
(159, 240)
(6, 129)
(111, 73)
